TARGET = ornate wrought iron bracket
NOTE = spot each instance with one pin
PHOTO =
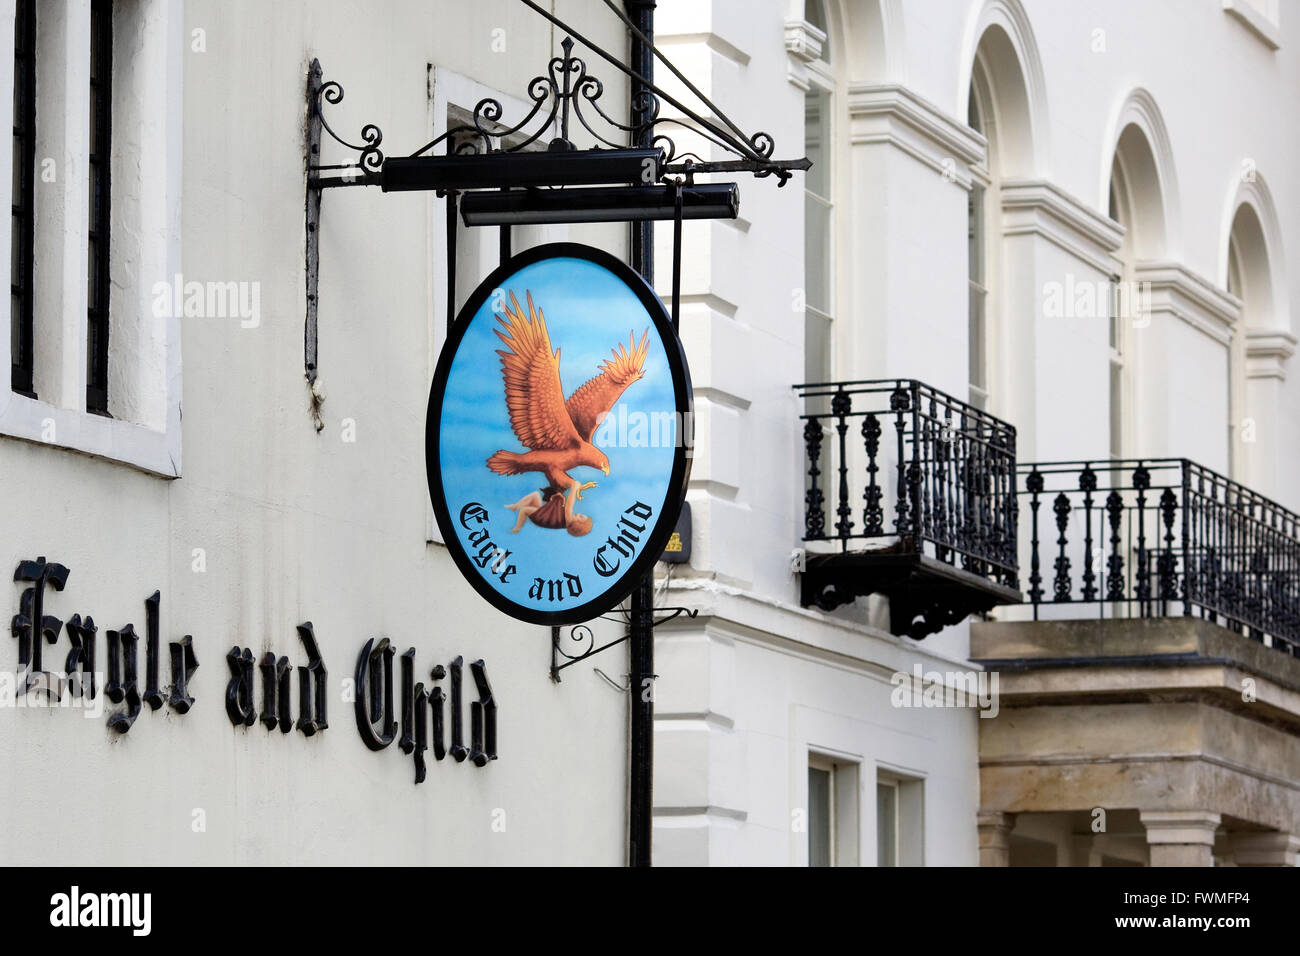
(563, 99)
(363, 172)
(583, 640)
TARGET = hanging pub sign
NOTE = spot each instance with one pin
(557, 433)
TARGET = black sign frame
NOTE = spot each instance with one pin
(665, 521)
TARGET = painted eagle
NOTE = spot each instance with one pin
(556, 432)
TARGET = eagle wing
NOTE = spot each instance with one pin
(534, 395)
(593, 399)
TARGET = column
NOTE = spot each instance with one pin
(995, 837)
(1180, 837)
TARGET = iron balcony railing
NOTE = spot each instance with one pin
(922, 472)
(1163, 537)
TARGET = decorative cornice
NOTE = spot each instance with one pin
(1249, 16)
(893, 114)
(1267, 351)
(803, 41)
(1038, 207)
(1176, 290)
(803, 45)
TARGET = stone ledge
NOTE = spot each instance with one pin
(1127, 642)
(1149, 784)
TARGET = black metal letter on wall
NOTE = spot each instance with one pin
(31, 623)
(374, 694)
(34, 628)
(311, 684)
(375, 716)
(277, 688)
(239, 692)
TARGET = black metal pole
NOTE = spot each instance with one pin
(641, 638)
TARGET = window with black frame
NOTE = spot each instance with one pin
(97, 290)
(22, 219)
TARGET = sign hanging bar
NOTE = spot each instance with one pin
(601, 204)
(503, 170)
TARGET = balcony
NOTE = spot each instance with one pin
(1161, 538)
(1157, 680)
(921, 491)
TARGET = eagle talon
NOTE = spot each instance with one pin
(577, 494)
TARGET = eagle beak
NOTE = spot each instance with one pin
(605, 469)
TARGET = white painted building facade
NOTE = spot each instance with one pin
(777, 739)
(1174, 108)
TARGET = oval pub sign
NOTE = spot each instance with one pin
(557, 434)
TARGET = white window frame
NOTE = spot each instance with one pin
(1121, 355)
(146, 358)
(1236, 361)
(1117, 373)
(821, 82)
(826, 765)
(982, 188)
(891, 784)
(845, 804)
(909, 815)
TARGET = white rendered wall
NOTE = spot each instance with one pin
(295, 525)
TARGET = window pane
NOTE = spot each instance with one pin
(817, 254)
(814, 14)
(21, 199)
(1116, 410)
(817, 347)
(816, 142)
(976, 332)
(817, 206)
(819, 817)
(886, 825)
(975, 233)
(97, 331)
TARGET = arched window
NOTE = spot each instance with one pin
(819, 207)
(1135, 202)
(1119, 303)
(1248, 279)
(998, 106)
(1236, 360)
(977, 245)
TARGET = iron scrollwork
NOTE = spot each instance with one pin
(370, 157)
(581, 641)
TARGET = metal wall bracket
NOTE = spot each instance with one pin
(363, 172)
(583, 640)
(566, 97)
